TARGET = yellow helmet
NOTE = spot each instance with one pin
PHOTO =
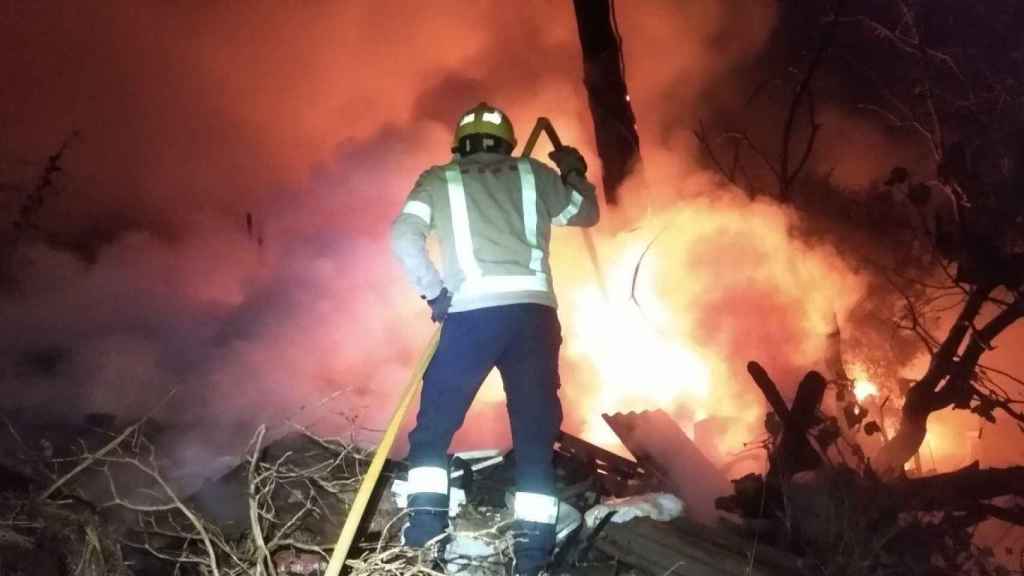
(485, 119)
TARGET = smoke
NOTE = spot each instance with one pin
(856, 151)
(222, 222)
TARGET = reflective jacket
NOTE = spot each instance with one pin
(492, 214)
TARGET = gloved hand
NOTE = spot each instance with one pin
(568, 160)
(439, 305)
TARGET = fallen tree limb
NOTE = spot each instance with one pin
(961, 489)
(92, 458)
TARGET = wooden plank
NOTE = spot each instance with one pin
(603, 458)
(659, 548)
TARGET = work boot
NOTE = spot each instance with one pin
(430, 551)
(428, 519)
(532, 547)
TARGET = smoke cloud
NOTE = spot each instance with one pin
(222, 222)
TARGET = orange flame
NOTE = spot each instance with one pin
(726, 282)
(639, 367)
(864, 388)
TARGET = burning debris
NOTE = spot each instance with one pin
(839, 513)
(657, 442)
(100, 500)
(280, 508)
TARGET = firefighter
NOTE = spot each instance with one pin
(492, 214)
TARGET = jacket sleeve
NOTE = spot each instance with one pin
(409, 233)
(570, 203)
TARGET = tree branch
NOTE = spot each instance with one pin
(86, 462)
(961, 488)
(804, 88)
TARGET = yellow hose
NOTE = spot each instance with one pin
(355, 513)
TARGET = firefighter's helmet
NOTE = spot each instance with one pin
(486, 120)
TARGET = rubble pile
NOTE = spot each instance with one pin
(279, 510)
(98, 499)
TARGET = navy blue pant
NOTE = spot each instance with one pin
(522, 341)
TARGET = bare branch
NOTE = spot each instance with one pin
(106, 449)
(745, 139)
(1002, 373)
(904, 43)
(701, 135)
(263, 556)
(787, 176)
(197, 523)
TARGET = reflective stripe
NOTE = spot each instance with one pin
(467, 119)
(529, 188)
(460, 224)
(428, 479)
(417, 208)
(498, 284)
(575, 201)
(533, 507)
(476, 284)
(494, 117)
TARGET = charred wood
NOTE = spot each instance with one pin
(611, 474)
(618, 144)
(963, 489)
(794, 451)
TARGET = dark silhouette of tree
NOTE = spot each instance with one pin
(945, 77)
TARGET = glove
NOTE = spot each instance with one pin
(568, 160)
(439, 305)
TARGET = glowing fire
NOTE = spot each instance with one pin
(727, 283)
(863, 388)
(640, 368)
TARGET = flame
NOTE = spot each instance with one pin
(727, 282)
(639, 366)
(951, 440)
(863, 388)
(864, 385)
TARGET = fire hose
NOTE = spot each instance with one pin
(358, 508)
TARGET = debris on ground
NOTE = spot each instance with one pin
(279, 509)
(686, 547)
(665, 451)
(656, 506)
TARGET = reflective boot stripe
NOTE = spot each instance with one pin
(533, 507)
(428, 479)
